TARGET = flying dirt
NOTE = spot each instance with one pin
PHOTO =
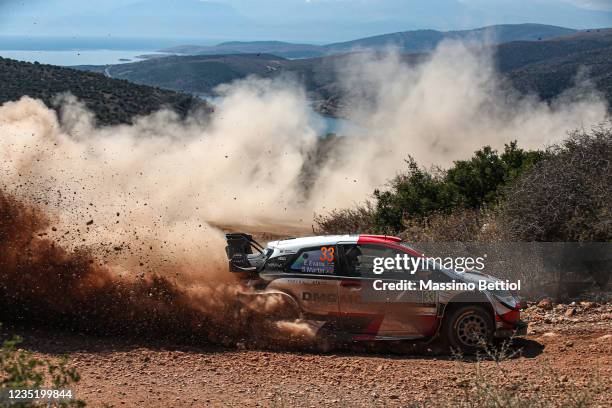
(44, 283)
(111, 228)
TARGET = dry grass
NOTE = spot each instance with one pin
(490, 384)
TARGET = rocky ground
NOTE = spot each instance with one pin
(576, 317)
(566, 357)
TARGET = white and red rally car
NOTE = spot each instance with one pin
(328, 280)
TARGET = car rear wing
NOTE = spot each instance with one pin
(239, 247)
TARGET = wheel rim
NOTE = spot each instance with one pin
(471, 330)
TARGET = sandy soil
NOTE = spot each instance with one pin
(564, 352)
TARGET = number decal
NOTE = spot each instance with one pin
(327, 254)
(430, 296)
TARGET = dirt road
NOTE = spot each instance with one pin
(563, 355)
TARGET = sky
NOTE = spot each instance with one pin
(314, 21)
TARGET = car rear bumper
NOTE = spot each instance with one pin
(520, 329)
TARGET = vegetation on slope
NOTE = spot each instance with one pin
(546, 68)
(112, 101)
(560, 194)
(405, 41)
(566, 197)
(427, 40)
(468, 184)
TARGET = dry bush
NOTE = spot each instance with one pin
(568, 196)
(564, 196)
(462, 225)
(492, 385)
(358, 220)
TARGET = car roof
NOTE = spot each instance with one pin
(304, 242)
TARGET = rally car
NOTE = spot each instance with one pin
(327, 280)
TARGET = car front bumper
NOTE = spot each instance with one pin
(520, 329)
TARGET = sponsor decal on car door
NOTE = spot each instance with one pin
(405, 314)
(311, 277)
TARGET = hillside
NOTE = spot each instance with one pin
(195, 74)
(546, 68)
(113, 101)
(201, 74)
(427, 40)
(549, 67)
(278, 48)
(407, 41)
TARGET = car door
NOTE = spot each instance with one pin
(388, 313)
(310, 277)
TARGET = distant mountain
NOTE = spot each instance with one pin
(544, 67)
(427, 40)
(113, 101)
(407, 41)
(288, 20)
(279, 48)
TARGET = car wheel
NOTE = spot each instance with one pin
(467, 328)
(325, 341)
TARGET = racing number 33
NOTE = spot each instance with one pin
(327, 254)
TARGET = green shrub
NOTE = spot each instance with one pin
(472, 183)
(477, 181)
(418, 195)
(413, 194)
(20, 370)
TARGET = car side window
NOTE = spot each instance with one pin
(358, 259)
(319, 260)
(432, 272)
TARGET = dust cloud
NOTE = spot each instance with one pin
(166, 175)
(124, 214)
(441, 110)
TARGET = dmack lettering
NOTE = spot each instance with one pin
(319, 297)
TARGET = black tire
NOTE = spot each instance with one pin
(467, 328)
(326, 341)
